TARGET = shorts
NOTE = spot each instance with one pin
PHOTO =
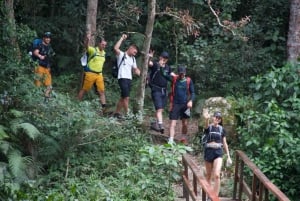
(43, 76)
(178, 112)
(159, 98)
(125, 86)
(91, 78)
(210, 154)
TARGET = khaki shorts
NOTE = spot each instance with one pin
(43, 76)
(91, 78)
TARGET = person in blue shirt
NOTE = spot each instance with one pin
(181, 102)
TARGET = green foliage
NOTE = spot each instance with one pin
(269, 130)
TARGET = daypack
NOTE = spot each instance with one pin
(85, 59)
(150, 78)
(36, 43)
(174, 80)
(116, 66)
(204, 138)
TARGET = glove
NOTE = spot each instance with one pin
(228, 162)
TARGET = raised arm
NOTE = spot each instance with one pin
(87, 41)
(119, 43)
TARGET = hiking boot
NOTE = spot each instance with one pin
(161, 128)
(118, 116)
(154, 126)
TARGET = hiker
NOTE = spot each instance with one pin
(158, 85)
(43, 53)
(181, 102)
(93, 71)
(127, 64)
(213, 150)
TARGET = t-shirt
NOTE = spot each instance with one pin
(157, 80)
(126, 66)
(214, 134)
(97, 62)
(44, 50)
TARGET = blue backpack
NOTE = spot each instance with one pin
(36, 43)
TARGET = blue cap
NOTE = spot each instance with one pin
(165, 55)
(181, 69)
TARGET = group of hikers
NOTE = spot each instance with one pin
(182, 94)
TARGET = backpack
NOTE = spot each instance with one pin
(174, 80)
(36, 43)
(204, 137)
(116, 66)
(150, 77)
(84, 60)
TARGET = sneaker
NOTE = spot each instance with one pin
(171, 141)
(161, 128)
(154, 126)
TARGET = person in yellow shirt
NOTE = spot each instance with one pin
(93, 70)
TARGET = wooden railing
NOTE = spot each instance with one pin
(197, 182)
(260, 190)
(261, 186)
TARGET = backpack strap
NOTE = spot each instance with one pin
(122, 60)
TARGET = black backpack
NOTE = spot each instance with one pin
(204, 138)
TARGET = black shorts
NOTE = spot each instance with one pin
(125, 86)
(159, 98)
(210, 154)
(178, 112)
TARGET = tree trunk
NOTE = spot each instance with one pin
(91, 19)
(146, 46)
(293, 43)
(10, 27)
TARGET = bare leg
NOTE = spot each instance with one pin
(172, 128)
(217, 165)
(81, 94)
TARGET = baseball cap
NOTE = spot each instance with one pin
(165, 55)
(217, 114)
(47, 34)
(181, 69)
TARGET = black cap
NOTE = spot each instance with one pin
(181, 69)
(165, 55)
(47, 34)
(217, 114)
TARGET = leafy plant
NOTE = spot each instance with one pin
(269, 130)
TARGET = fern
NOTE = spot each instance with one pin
(18, 164)
(28, 128)
(3, 134)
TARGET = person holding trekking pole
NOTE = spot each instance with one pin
(93, 71)
(126, 65)
(213, 149)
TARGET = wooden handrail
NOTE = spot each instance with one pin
(198, 181)
(261, 185)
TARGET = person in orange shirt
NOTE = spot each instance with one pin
(93, 70)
